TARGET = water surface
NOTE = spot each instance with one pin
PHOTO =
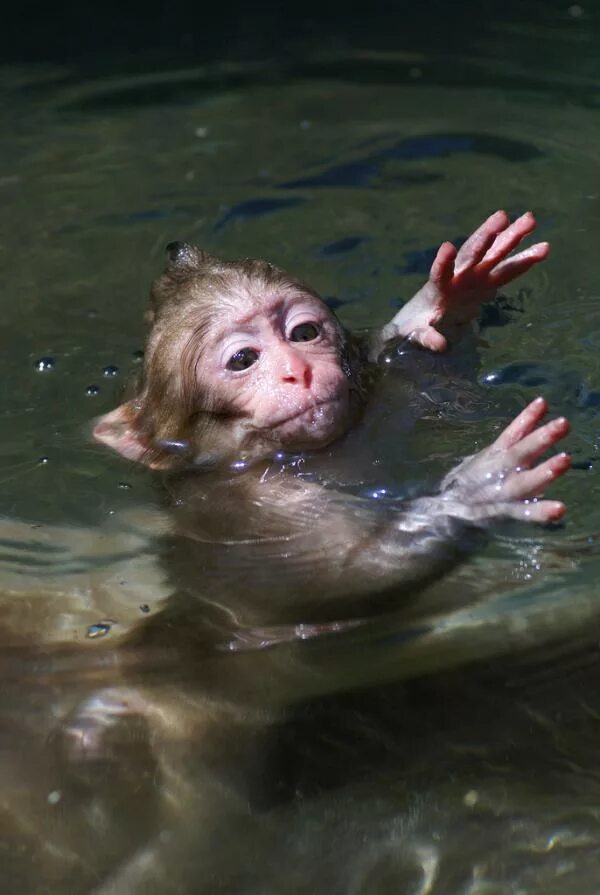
(349, 168)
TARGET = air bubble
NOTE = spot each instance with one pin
(92, 390)
(110, 370)
(377, 493)
(173, 446)
(44, 364)
(100, 629)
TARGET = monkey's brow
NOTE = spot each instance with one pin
(270, 309)
(219, 333)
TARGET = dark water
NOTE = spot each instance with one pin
(346, 155)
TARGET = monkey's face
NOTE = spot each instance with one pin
(275, 364)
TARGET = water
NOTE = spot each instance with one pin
(348, 163)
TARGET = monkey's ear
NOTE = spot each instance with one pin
(183, 256)
(121, 431)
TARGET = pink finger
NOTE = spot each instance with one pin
(428, 337)
(473, 249)
(533, 481)
(522, 424)
(532, 446)
(442, 269)
(508, 239)
(513, 267)
(540, 511)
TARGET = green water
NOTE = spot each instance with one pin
(343, 166)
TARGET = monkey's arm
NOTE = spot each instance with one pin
(461, 281)
(418, 540)
(294, 552)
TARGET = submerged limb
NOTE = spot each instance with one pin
(363, 557)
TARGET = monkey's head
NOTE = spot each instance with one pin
(241, 360)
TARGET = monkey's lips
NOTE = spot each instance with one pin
(318, 422)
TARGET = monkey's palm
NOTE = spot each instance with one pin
(460, 281)
(496, 481)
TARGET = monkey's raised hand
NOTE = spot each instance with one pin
(502, 479)
(460, 281)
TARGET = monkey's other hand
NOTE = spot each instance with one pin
(460, 281)
(503, 480)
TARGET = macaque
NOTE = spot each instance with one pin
(244, 364)
(245, 367)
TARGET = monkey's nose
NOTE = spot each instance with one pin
(296, 371)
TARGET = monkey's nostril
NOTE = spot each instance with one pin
(299, 377)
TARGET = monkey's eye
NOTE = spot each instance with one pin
(304, 332)
(242, 359)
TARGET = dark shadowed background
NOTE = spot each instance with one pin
(113, 35)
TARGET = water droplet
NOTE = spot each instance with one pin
(44, 364)
(43, 461)
(100, 629)
(110, 370)
(92, 390)
(378, 493)
(206, 461)
(144, 607)
(471, 798)
(124, 485)
(172, 446)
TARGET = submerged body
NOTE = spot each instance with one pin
(244, 361)
(163, 737)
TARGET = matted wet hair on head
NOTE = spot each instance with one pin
(193, 274)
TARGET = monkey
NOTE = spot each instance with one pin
(245, 363)
(245, 369)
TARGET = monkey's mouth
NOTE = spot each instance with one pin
(319, 409)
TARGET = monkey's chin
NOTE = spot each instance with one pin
(314, 427)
